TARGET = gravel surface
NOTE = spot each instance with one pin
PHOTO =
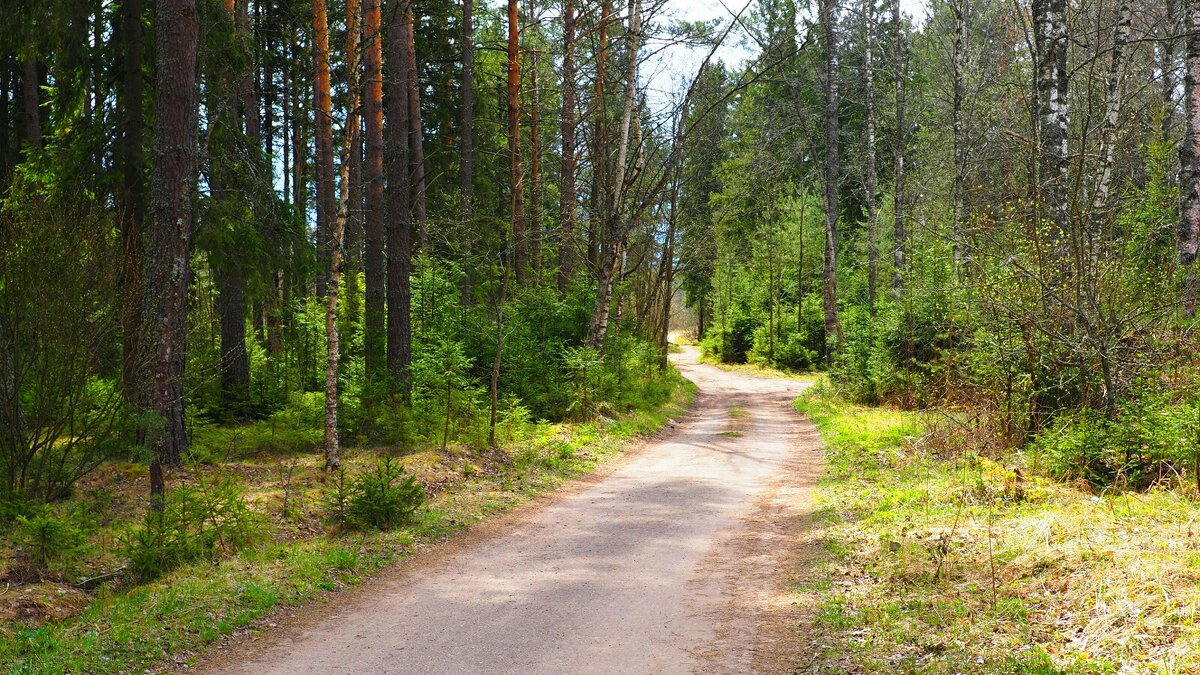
(667, 564)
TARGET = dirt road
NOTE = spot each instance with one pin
(675, 562)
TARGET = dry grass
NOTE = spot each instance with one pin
(965, 564)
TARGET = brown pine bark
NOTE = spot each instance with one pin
(399, 198)
(328, 237)
(600, 152)
(534, 228)
(31, 95)
(832, 168)
(416, 138)
(323, 113)
(373, 175)
(374, 330)
(228, 273)
(173, 182)
(566, 190)
(466, 148)
(516, 178)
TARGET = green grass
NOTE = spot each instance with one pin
(143, 627)
(759, 370)
(935, 564)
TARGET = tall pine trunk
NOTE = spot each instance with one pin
(871, 181)
(516, 179)
(566, 189)
(399, 197)
(899, 236)
(1189, 161)
(832, 169)
(228, 273)
(534, 228)
(957, 89)
(376, 207)
(466, 148)
(374, 329)
(173, 183)
(323, 113)
(416, 137)
(329, 243)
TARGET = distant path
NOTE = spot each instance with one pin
(671, 563)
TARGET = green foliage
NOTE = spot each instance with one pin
(590, 382)
(49, 545)
(384, 497)
(1151, 440)
(196, 522)
(336, 496)
(61, 410)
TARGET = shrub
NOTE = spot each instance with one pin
(200, 522)
(337, 495)
(47, 545)
(1150, 440)
(589, 381)
(384, 497)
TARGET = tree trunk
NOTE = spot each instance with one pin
(235, 363)
(374, 330)
(1112, 113)
(1050, 38)
(132, 197)
(323, 112)
(833, 326)
(1189, 161)
(957, 67)
(228, 273)
(613, 245)
(534, 229)
(31, 93)
(600, 154)
(416, 139)
(466, 149)
(494, 387)
(898, 151)
(173, 182)
(871, 180)
(1167, 50)
(330, 243)
(516, 184)
(399, 198)
(566, 190)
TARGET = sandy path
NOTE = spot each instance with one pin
(666, 565)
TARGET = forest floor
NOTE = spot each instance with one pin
(929, 559)
(297, 559)
(674, 559)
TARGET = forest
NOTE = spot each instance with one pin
(289, 287)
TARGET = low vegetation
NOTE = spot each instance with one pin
(940, 559)
(269, 530)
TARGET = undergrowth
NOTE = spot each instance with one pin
(137, 628)
(962, 564)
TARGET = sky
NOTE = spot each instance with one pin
(671, 69)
